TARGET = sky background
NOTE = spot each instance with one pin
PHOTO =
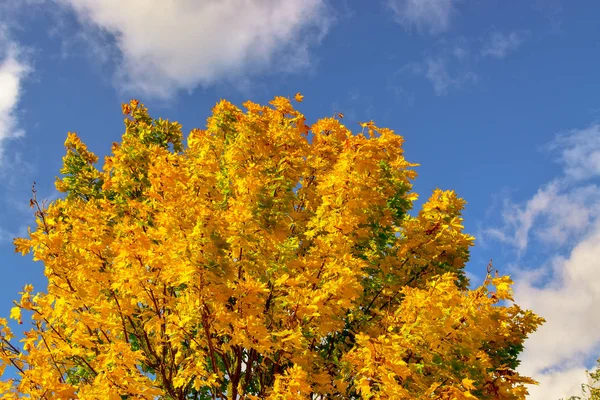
(496, 99)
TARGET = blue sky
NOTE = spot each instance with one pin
(497, 99)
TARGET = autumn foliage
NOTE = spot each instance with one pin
(263, 259)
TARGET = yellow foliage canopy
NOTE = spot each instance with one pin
(263, 259)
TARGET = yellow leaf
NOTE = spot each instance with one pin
(468, 384)
(15, 313)
(281, 279)
(22, 245)
(298, 97)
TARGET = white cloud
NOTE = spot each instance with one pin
(431, 15)
(12, 71)
(557, 214)
(569, 302)
(566, 207)
(499, 44)
(559, 384)
(180, 44)
(565, 289)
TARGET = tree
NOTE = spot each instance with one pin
(264, 259)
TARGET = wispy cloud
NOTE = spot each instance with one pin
(563, 219)
(456, 62)
(451, 69)
(580, 152)
(557, 214)
(433, 16)
(188, 44)
(500, 44)
(13, 69)
(437, 73)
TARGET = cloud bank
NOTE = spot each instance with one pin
(562, 222)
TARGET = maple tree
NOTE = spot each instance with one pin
(264, 259)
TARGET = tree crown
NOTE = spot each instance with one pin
(265, 258)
